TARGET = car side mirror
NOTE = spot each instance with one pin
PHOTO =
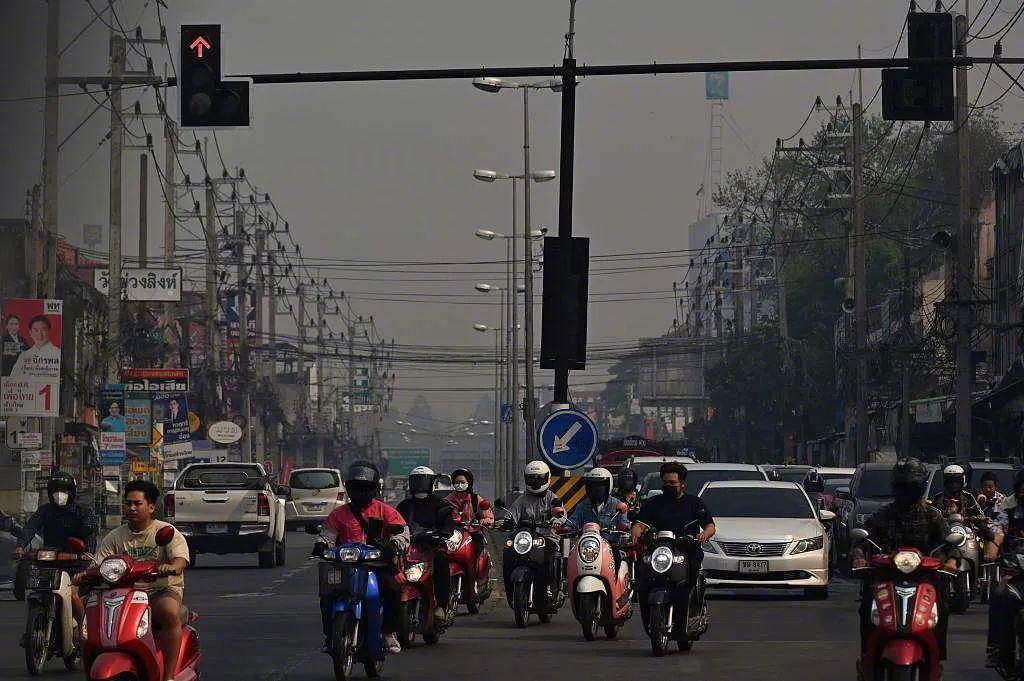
(826, 516)
(844, 493)
(164, 535)
(313, 528)
(956, 539)
(859, 534)
(284, 491)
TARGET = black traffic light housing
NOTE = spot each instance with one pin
(206, 100)
(922, 93)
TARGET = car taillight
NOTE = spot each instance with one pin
(263, 505)
(169, 505)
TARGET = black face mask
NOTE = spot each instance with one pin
(670, 490)
(361, 495)
(597, 494)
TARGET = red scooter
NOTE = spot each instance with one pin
(417, 581)
(119, 642)
(904, 612)
(470, 572)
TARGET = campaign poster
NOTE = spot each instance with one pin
(30, 371)
(171, 410)
(113, 418)
(138, 420)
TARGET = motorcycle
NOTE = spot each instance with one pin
(417, 582)
(964, 587)
(527, 557)
(600, 580)
(119, 641)
(50, 625)
(904, 612)
(677, 610)
(1012, 564)
(990, 571)
(470, 573)
(346, 577)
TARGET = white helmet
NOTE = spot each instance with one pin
(954, 478)
(537, 476)
(599, 479)
(421, 482)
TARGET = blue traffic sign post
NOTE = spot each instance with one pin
(567, 439)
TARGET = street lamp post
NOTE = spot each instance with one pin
(509, 429)
(499, 473)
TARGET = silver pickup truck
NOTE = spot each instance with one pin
(229, 508)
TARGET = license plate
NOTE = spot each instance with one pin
(316, 507)
(753, 567)
(216, 528)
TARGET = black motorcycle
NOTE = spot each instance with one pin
(533, 571)
(677, 610)
(50, 624)
(1012, 566)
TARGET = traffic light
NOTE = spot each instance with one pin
(922, 93)
(206, 100)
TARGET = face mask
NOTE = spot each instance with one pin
(461, 486)
(361, 497)
(61, 498)
(670, 490)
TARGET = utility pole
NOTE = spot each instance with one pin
(514, 302)
(964, 252)
(117, 63)
(528, 403)
(143, 209)
(350, 421)
(905, 378)
(860, 291)
(210, 302)
(242, 300)
(169, 208)
(51, 117)
(258, 296)
(301, 379)
(321, 305)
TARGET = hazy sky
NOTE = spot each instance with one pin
(383, 171)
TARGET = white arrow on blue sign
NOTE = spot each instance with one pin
(567, 439)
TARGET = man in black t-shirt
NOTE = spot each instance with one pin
(676, 511)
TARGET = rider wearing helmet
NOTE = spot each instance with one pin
(906, 522)
(626, 488)
(366, 519)
(424, 512)
(1005, 602)
(814, 485)
(59, 520)
(955, 498)
(600, 506)
(532, 507)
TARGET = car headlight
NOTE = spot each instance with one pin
(46, 555)
(113, 569)
(812, 544)
(907, 561)
(414, 572)
(522, 542)
(708, 547)
(661, 559)
(349, 554)
(590, 549)
(143, 627)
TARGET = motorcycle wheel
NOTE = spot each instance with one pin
(961, 599)
(611, 631)
(373, 668)
(521, 603)
(544, 617)
(37, 644)
(901, 673)
(658, 627)
(342, 649)
(472, 606)
(685, 645)
(587, 612)
(20, 579)
(406, 630)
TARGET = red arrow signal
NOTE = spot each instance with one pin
(198, 45)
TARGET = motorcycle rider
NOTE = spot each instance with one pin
(368, 520)
(138, 540)
(535, 506)
(599, 506)
(910, 522)
(424, 511)
(626, 488)
(466, 502)
(59, 520)
(955, 498)
(676, 511)
(1004, 603)
(992, 507)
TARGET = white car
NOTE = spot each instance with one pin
(645, 465)
(769, 534)
(316, 492)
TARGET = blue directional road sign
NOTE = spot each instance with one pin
(506, 412)
(567, 439)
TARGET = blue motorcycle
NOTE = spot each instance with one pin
(347, 578)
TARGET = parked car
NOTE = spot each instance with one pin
(769, 534)
(834, 478)
(315, 493)
(789, 473)
(699, 474)
(645, 465)
(1004, 472)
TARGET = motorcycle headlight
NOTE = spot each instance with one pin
(414, 572)
(143, 627)
(812, 544)
(113, 569)
(374, 554)
(661, 559)
(46, 555)
(522, 542)
(590, 549)
(907, 561)
(349, 554)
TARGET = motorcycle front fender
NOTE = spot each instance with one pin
(112, 665)
(355, 607)
(521, 574)
(659, 597)
(903, 652)
(589, 584)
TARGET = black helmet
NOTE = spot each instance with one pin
(62, 482)
(627, 479)
(362, 482)
(464, 472)
(909, 481)
(421, 481)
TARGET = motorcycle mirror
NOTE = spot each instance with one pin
(485, 505)
(313, 528)
(557, 511)
(955, 539)
(164, 535)
(76, 545)
(859, 534)
(622, 508)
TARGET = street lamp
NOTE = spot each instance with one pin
(499, 388)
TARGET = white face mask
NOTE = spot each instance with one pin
(60, 498)
(461, 486)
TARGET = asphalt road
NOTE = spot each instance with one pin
(263, 625)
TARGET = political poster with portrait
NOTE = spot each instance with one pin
(171, 410)
(113, 423)
(30, 380)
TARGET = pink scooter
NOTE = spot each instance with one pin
(601, 580)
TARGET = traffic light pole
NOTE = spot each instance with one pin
(964, 251)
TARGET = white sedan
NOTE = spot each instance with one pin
(769, 534)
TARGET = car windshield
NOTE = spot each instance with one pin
(645, 468)
(757, 502)
(697, 478)
(832, 483)
(222, 477)
(314, 480)
(796, 475)
(874, 483)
